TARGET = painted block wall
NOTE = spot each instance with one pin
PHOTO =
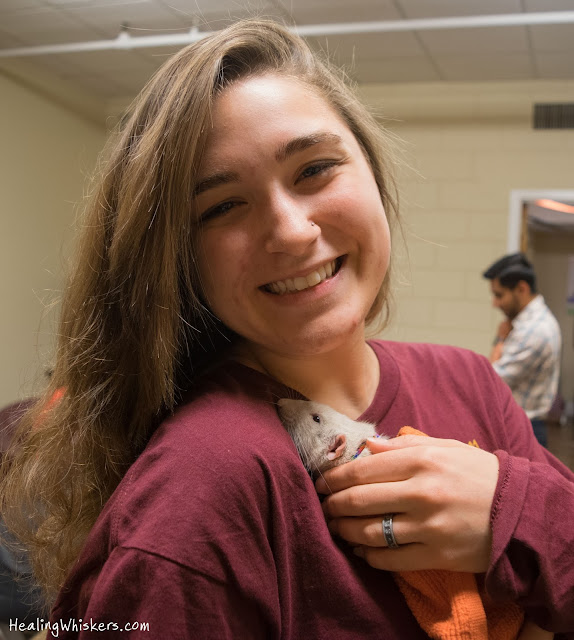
(465, 157)
(46, 153)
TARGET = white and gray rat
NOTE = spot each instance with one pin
(324, 437)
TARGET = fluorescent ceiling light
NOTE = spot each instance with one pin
(555, 205)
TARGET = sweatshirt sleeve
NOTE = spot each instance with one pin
(143, 596)
(532, 520)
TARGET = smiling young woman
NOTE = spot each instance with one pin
(235, 251)
(293, 238)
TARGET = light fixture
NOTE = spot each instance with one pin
(554, 205)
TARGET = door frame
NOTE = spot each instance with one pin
(518, 198)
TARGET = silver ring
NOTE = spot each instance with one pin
(388, 531)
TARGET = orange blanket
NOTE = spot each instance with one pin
(449, 606)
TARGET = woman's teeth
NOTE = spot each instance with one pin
(301, 283)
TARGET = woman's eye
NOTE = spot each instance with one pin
(216, 211)
(315, 169)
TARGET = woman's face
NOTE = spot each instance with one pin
(293, 241)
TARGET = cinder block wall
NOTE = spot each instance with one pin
(468, 146)
(47, 152)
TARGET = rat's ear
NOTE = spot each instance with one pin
(337, 447)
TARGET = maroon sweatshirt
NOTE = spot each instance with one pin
(216, 531)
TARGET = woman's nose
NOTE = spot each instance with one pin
(289, 227)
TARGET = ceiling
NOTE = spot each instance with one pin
(469, 54)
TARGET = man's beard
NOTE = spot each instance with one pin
(513, 310)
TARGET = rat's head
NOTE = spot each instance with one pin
(324, 437)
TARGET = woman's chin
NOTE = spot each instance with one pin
(315, 338)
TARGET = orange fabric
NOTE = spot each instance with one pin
(52, 401)
(58, 395)
(449, 606)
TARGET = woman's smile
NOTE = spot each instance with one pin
(310, 280)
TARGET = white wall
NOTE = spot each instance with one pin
(45, 154)
(469, 146)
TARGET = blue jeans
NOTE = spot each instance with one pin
(539, 427)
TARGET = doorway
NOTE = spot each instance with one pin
(541, 224)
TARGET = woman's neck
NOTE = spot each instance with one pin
(345, 378)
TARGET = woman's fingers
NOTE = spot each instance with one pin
(370, 500)
(410, 557)
(442, 496)
(403, 459)
(369, 531)
(393, 466)
(376, 445)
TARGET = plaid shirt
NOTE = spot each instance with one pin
(530, 361)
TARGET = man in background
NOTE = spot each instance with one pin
(526, 350)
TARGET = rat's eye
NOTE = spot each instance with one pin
(316, 417)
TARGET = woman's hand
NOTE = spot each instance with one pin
(440, 491)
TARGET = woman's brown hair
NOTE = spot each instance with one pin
(133, 332)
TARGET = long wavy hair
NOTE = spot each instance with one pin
(133, 331)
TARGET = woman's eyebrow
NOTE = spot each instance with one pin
(285, 151)
(304, 142)
(215, 180)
